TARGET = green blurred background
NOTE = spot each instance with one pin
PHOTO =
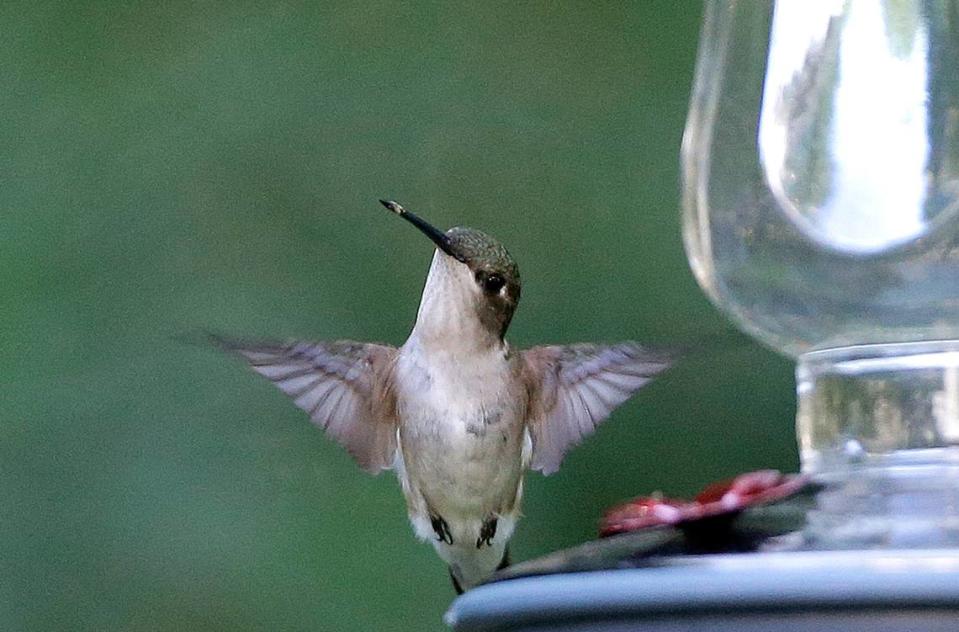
(174, 166)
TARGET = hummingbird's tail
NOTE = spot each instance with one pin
(502, 564)
(456, 584)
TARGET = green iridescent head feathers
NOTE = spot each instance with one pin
(494, 270)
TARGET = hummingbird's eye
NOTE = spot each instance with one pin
(493, 283)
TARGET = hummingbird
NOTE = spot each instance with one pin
(456, 412)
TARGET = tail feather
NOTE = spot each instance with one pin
(456, 584)
(505, 561)
(502, 564)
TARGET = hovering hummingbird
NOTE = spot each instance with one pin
(455, 411)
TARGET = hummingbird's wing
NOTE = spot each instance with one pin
(573, 388)
(344, 386)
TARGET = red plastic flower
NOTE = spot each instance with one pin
(725, 498)
(644, 512)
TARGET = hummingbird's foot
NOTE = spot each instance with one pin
(487, 532)
(442, 529)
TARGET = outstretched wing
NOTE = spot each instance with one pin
(344, 386)
(573, 388)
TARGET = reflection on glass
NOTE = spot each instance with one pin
(821, 201)
(822, 188)
(837, 83)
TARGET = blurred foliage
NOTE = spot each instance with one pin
(172, 166)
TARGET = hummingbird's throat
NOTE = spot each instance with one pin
(453, 314)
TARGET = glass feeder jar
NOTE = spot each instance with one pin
(821, 213)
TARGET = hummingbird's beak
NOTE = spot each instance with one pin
(436, 235)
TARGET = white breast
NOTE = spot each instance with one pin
(461, 436)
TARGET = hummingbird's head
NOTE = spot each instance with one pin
(472, 277)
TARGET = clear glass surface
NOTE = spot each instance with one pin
(821, 170)
(821, 212)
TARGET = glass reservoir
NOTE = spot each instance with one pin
(821, 212)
